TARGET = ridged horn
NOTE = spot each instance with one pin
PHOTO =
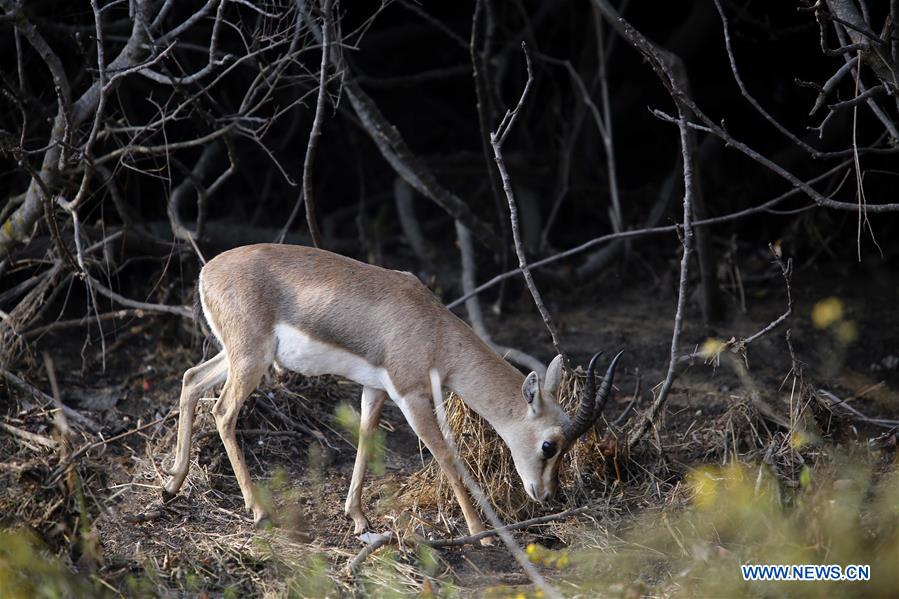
(592, 402)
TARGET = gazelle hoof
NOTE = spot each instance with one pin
(264, 522)
(167, 495)
(360, 525)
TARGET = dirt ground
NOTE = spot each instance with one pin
(204, 544)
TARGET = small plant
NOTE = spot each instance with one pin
(840, 513)
(28, 571)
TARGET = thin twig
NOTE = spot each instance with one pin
(687, 243)
(306, 196)
(380, 541)
(472, 539)
(181, 311)
(316, 131)
(393, 148)
(480, 64)
(46, 400)
(766, 206)
(856, 413)
(786, 269)
(858, 98)
(496, 140)
(28, 436)
(127, 433)
(473, 307)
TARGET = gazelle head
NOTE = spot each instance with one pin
(538, 443)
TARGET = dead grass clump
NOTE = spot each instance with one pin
(490, 463)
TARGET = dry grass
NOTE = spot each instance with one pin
(105, 516)
(489, 461)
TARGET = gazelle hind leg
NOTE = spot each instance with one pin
(244, 376)
(372, 402)
(419, 413)
(196, 381)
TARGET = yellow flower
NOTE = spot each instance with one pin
(704, 485)
(798, 440)
(847, 332)
(711, 348)
(827, 312)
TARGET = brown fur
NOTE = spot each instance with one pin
(387, 317)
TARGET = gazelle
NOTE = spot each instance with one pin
(315, 312)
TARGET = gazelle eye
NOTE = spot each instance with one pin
(549, 449)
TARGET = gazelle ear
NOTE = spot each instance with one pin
(530, 390)
(553, 378)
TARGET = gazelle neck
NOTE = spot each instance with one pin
(488, 385)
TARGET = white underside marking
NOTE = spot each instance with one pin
(209, 322)
(299, 352)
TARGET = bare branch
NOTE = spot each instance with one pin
(496, 140)
(306, 196)
(687, 241)
(858, 99)
(181, 311)
(472, 539)
(473, 307)
(786, 269)
(394, 149)
(19, 225)
(636, 233)
(831, 83)
(660, 62)
(822, 94)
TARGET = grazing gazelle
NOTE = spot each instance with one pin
(315, 312)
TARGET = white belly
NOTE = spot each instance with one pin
(298, 352)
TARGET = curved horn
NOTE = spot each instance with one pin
(602, 396)
(583, 418)
(593, 402)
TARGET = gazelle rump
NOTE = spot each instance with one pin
(316, 312)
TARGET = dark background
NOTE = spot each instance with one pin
(415, 62)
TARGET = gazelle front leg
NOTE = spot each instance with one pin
(419, 412)
(372, 402)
